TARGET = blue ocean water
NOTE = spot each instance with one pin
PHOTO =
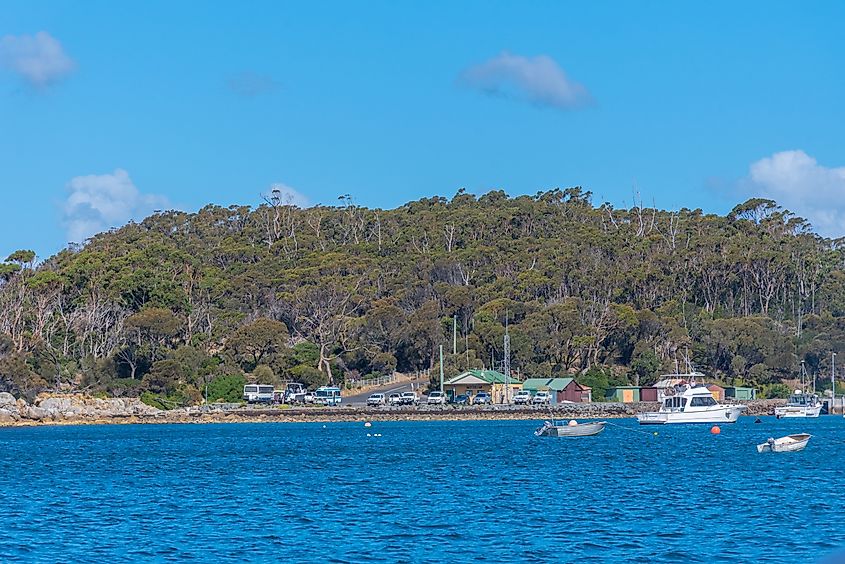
(422, 492)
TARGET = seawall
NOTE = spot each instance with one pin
(80, 410)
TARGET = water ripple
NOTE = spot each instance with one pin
(423, 492)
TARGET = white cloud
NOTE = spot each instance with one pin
(538, 80)
(798, 183)
(39, 59)
(288, 195)
(251, 84)
(99, 202)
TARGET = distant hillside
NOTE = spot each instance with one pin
(184, 300)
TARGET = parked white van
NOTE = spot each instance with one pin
(258, 393)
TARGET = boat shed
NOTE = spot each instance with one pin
(473, 381)
(717, 391)
(624, 394)
(648, 393)
(740, 393)
(562, 389)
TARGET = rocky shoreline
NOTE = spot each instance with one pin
(85, 410)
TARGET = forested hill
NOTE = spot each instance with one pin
(278, 292)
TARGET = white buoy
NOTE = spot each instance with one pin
(369, 435)
(368, 424)
(573, 423)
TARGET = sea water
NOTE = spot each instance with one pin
(421, 492)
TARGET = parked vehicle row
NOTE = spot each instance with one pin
(436, 397)
(405, 398)
(292, 394)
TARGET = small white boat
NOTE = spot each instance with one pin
(789, 443)
(571, 429)
(800, 404)
(691, 404)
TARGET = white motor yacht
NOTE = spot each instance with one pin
(800, 404)
(691, 404)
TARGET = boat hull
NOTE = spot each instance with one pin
(721, 414)
(580, 430)
(797, 412)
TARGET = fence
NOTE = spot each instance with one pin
(371, 382)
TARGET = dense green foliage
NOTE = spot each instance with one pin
(184, 301)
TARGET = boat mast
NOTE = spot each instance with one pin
(803, 374)
(833, 383)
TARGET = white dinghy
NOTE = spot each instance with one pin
(789, 443)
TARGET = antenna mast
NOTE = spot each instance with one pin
(507, 362)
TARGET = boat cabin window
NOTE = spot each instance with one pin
(702, 401)
(674, 403)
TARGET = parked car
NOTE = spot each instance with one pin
(410, 398)
(522, 397)
(309, 397)
(436, 397)
(394, 399)
(541, 398)
(377, 400)
(482, 398)
(295, 393)
(461, 399)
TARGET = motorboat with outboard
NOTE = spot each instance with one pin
(571, 429)
(789, 443)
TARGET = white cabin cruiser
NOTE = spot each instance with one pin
(800, 404)
(691, 404)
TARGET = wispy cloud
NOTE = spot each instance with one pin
(251, 84)
(98, 202)
(796, 181)
(38, 59)
(538, 80)
(287, 195)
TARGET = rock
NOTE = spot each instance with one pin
(7, 416)
(58, 405)
(35, 413)
(7, 399)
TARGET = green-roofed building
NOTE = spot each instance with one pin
(562, 389)
(473, 381)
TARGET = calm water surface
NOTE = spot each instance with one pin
(422, 492)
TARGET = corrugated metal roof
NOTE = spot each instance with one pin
(556, 384)
(535, 383)
(488, 376)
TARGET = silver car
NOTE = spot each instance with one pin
(436, 398)
(377, 400)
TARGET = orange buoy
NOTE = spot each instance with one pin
(715, 430)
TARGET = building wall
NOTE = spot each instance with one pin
(648, 394)
(574, 392)
(625, 395)
(717, 392)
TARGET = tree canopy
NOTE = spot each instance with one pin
(332, 293)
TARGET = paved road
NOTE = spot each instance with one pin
(396, 387)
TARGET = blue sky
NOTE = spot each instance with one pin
(109, 110)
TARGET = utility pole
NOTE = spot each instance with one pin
(441, 369)
(507, 362)
(455, 335)
(833, 383)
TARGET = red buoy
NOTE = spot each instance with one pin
(715, 430)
